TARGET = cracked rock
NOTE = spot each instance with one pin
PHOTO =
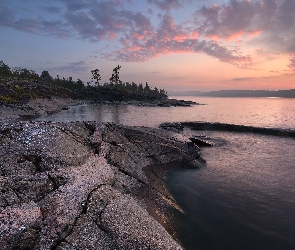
(88, 185)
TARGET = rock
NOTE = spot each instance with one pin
(201, 142)
(239, 128)
(172, 126)
(88, 185)
(164, 104)
(149, 104)
(134, 102)
(183, 103)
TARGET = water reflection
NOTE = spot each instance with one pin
(260, 112)
(99, 112)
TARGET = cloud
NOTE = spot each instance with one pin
(150, 51)
(234, 57)
(269, 24)
(168, 4)
(52, 9)
(170, 38)
(286, 14)
(240, 79)
(236, 18)
(104, 20)
(6, 15)
(210, 30)
(74, 67)
(292, 64)
(76, 5)
(36, 26)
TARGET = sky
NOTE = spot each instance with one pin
(178, 45)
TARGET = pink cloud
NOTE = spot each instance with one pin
(292, 63)
(211, 30)
(254, 34)
(170, 39)
(235, 19)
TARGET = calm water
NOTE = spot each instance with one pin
(261, 112)
(244, 198)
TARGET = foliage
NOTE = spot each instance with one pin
(7, 99)
(4, 69)
(96, 76)
(22, 84)
(45, 76)
(115, 79)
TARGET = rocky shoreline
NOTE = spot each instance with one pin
(88, 185)
(155, 103)
(34, 108)
(43, 107)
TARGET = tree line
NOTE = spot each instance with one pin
(114, 83)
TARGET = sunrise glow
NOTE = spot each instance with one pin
(176, 45)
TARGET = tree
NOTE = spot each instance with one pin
(45, 76)
(34, 76)
(115, 79)
(16, 71)
(147, 88)
(140, 88)
(133, 86)
(79, 84)
(156, 91)
(95, 76)
(25, 73)
(4, 69)
(163, 92)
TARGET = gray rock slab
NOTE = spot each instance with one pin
(88, 185)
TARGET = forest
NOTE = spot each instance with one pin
(114, 84)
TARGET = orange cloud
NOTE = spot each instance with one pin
(235, 36)
(255, 33)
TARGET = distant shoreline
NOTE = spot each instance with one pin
(237, 93)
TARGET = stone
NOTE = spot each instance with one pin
(201, 142)
(172, 126)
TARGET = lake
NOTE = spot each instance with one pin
(260, 112)
(244, 198)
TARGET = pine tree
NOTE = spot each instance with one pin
(115, 79)
(95, 76)
(4, 69)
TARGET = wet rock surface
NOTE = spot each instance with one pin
(201, 141)
(199, 126)
(88, 185)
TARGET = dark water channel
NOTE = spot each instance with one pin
(243, 199)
